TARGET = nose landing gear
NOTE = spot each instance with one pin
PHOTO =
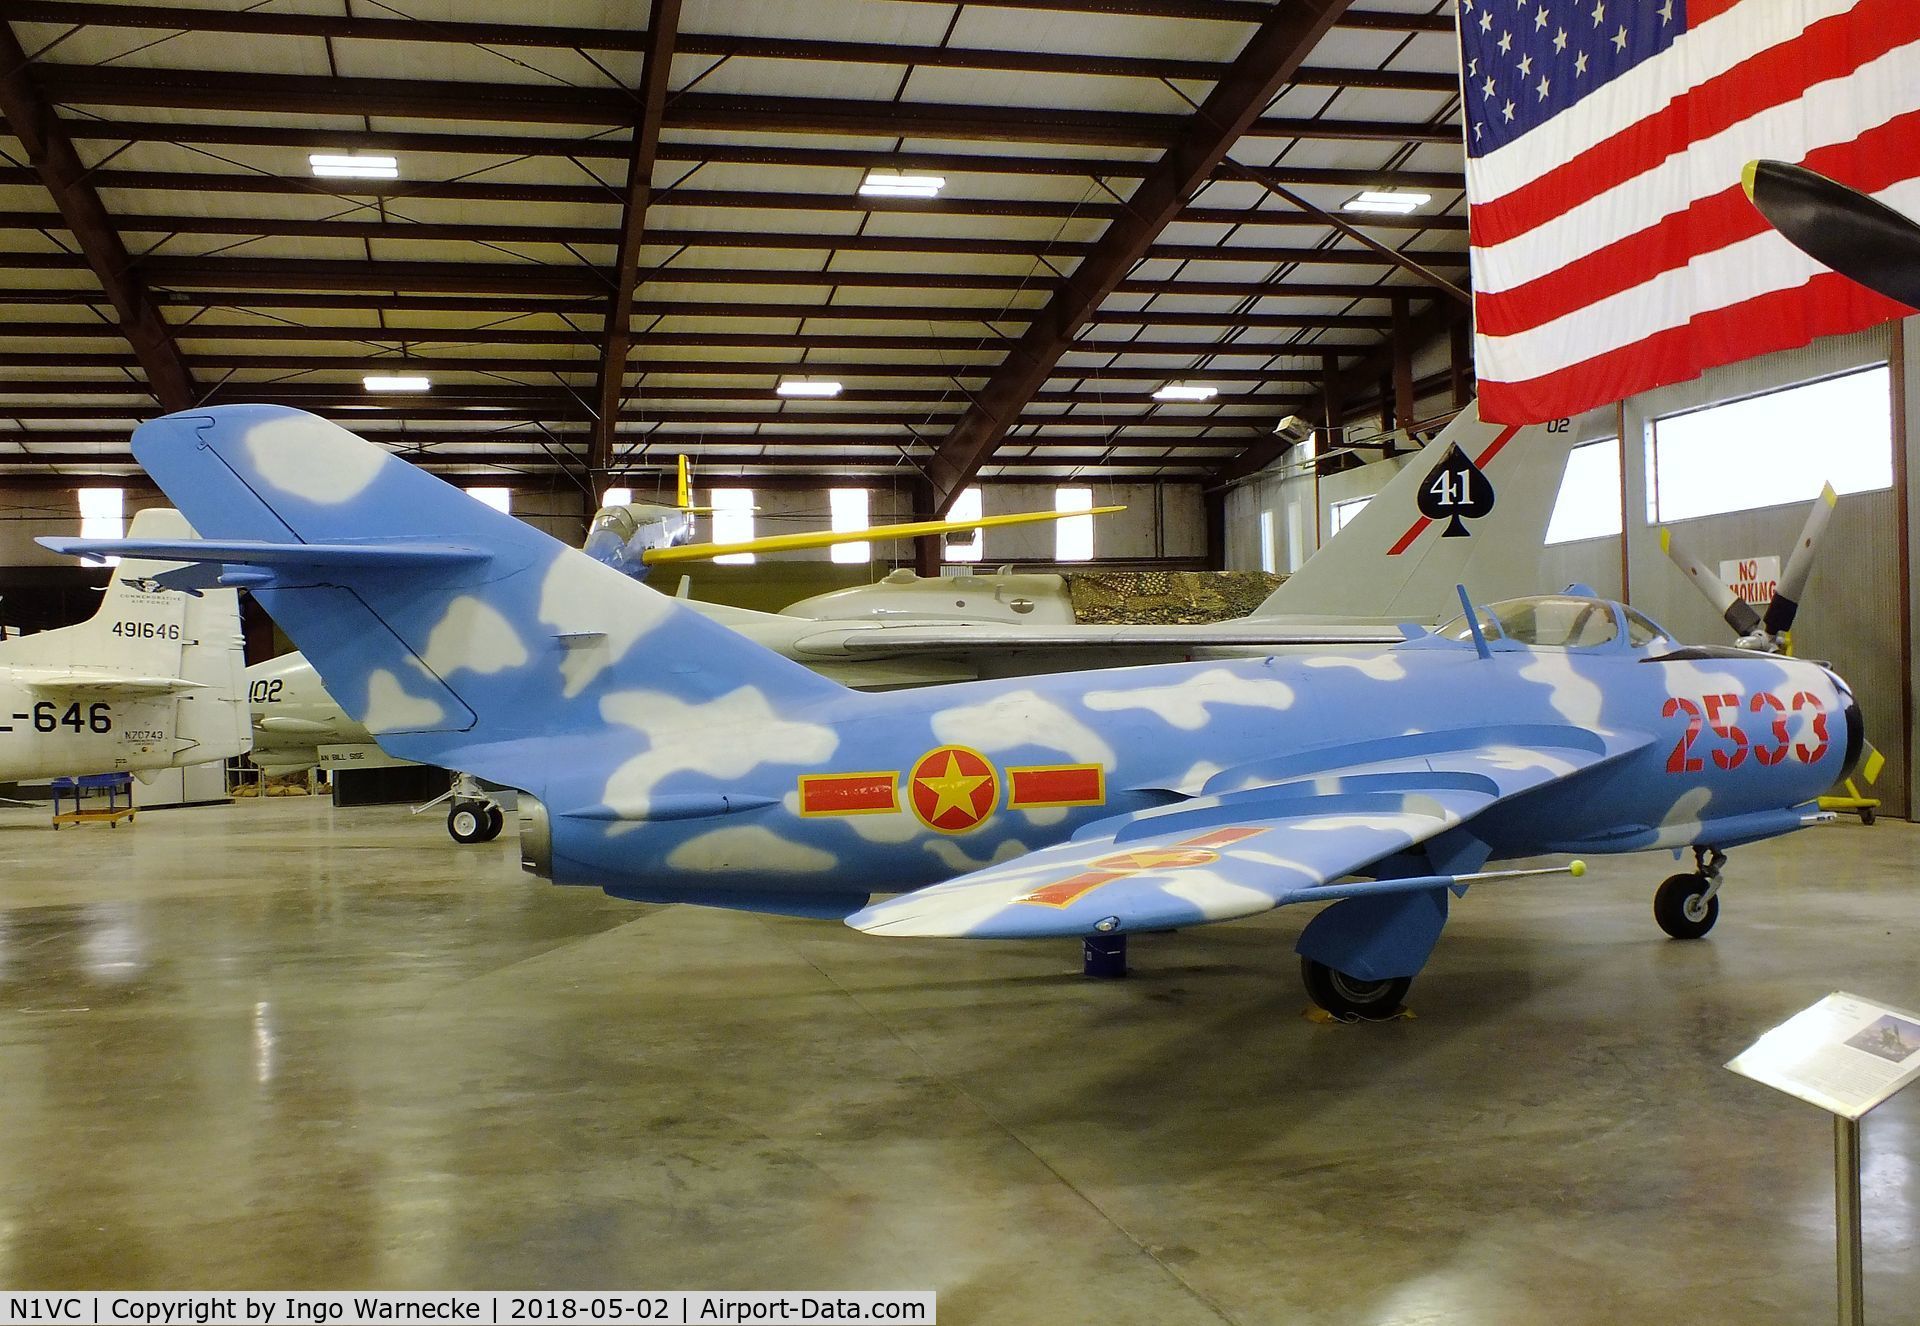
(1686, 906)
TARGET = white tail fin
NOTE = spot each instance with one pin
(171, 663)
(1395, 560)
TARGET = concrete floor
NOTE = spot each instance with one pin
(276, 1045)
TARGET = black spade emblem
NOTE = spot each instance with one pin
(1455, 491)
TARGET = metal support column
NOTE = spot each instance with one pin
(929, 550)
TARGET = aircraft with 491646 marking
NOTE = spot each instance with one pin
(153, 680)
(662, 757)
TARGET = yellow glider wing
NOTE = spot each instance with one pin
(697, 552)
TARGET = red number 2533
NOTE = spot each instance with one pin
(1722, 713)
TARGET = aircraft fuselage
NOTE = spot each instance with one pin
(891, 792)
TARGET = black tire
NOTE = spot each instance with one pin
(1866, 814)
(467, 822)
(496, 821)
(1678, 909)
(1347, 996)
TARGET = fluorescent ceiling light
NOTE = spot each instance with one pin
(400, 382)
(353, 166)
(1175, 391)
(1387, 200)
(815, 389)
(889, 184)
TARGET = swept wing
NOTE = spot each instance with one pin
(1282, 834)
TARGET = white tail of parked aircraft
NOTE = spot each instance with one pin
(153, 680)
(1402, 554)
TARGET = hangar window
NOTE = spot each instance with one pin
(103, 516)
(1589, 503)
(1341, 512)
(1269, 558)
(1073, 537)
(616, 497)
(1773, 449)
(732, 522)
(960, 549)
(500, 499)
(849, 509)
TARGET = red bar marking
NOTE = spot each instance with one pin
(848, 794)
(1058, 785)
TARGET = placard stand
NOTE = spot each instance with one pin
(1846, 1220)
(1846, 1055)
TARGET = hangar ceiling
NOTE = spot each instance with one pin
(169, 244)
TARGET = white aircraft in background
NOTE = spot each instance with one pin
(154, 680)
(1471, 507)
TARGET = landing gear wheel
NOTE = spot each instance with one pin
(1347, 996)
(467, 823)
(496, 821)
(1683, 909)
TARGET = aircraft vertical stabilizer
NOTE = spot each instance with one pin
(153, 679)
(139, 628)
(1438, 523)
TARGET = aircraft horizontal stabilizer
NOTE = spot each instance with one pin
(96, 682)
(252, 552)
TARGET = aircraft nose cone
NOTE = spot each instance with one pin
(1856, 739)
(1856, 729)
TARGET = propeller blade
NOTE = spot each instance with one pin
(1857, 236)
(1737, 612)
(1793, 581)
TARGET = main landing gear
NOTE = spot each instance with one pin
(1358, 958)
(1686, 906)
(1350, 997)
(475, 816)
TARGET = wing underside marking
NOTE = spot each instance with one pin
(1264, 842)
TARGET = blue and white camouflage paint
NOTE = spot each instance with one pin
(664, 758)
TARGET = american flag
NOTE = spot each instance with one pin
(1613, 249)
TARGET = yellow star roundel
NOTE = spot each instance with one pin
(953, 789)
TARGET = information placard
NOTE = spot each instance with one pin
(1845, 1054)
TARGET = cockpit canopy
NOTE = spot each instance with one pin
(1558, 621)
